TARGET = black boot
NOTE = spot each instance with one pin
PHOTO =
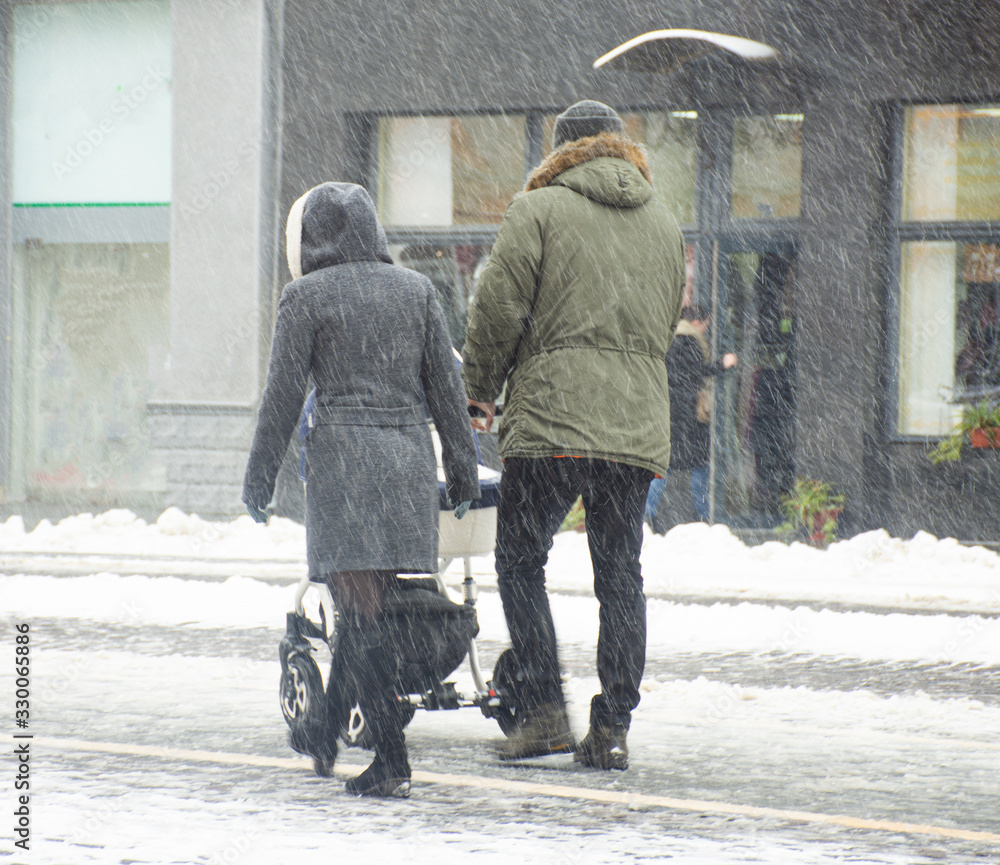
(604, 747)
(375, 666)
(389, 773)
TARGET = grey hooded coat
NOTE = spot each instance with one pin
(373, 338)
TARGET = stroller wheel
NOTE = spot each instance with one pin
(506, 676)
(301, 690)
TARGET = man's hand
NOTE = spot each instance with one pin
(729, 360)
(462, 509)
(488, 409)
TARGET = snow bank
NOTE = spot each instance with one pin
(700, 560)
(240, 602)
(871, 568)
(175, 534)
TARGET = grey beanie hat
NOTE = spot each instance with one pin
(583, 119)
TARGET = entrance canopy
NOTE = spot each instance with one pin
(715, 70)
(664, 51)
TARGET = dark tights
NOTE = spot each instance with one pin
(360, 591)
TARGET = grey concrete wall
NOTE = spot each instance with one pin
(222, 240)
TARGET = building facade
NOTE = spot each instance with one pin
(841, 207)
(138, 251)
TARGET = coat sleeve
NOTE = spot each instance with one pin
(281, 403)
(686, 366)
(501, 309)
(446, 401)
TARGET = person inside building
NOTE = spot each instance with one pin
(977, 367)
(575, 310)
(372, 338)
(691, 372)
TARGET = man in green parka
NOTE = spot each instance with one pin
(575, 311)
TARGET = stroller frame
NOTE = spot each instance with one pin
(302, 692)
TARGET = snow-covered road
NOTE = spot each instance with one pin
(860, 721)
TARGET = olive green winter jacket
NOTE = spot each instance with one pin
(576, 308)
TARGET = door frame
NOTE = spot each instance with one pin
(722, 340)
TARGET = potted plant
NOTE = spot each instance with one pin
(811, 508)
(983, 420)
(980, 423)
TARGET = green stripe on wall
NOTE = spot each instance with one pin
(96, 204)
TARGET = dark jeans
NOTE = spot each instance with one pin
(535, 496)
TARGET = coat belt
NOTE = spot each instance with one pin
(363, 415)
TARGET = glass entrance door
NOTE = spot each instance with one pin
(753, 441)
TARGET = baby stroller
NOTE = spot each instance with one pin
(445, 630)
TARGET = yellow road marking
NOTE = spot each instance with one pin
(529, 788)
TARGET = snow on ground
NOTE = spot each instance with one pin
(307, 834)
(694, 559)
(93, 817)
(872, 568)
(241, 602)
(693, 733)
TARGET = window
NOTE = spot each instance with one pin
(952, 163)
(91, 139)
(444, 182)
(767, 166)
(449, 170)
(949, 264)
(453, 268)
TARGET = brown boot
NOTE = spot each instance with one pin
(545, 730)
(604, 747)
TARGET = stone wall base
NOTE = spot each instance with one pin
(204, 449)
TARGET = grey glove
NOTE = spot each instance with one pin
(462, 509)
(259, 516)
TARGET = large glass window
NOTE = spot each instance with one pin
(91, 103)
(449, 170)
(952, 163)
(767, 166)
(90, 322)
(91, 139)
(444, 183)
(949, 263)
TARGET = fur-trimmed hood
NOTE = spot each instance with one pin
(593, 167)
(333, 223)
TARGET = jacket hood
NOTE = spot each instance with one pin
(607, 168)
(333, 223)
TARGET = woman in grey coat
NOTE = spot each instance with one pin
(373, 339)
